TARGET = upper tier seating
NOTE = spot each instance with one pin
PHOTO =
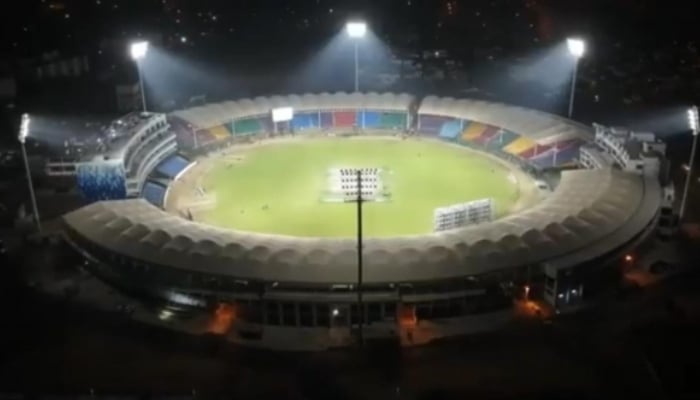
(172, 166)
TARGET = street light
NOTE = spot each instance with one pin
(577, 48)
(138, 53)
(693, 125)
(22, 137)
(356, 30)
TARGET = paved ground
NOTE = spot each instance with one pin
(642, 344)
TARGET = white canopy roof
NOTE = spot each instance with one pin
(540, 126)
(588, 208)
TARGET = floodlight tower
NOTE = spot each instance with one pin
(22, 137)
(356, 30)
(138, 53)
(693, 125)
(577, 47)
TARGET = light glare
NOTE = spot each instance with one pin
(24, 128)
(576, 47)
(693, 119)
(139, 50)
(356, 29)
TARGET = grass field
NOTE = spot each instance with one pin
(290, 177)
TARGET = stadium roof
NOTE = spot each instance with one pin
(542, 127)
(587, 215)
(219, 113)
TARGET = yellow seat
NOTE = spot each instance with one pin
(473, 131)
(220, 132)
(520, 145)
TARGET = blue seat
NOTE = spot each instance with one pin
(102, 180)
(154, 193)
(172, 166)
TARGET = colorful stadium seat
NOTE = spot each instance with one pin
(172, 166)
(102, 180)
(154, 193)
(326, 120)
(544, 160)
(344, 119)
(567, 155)
(451, 129)
(431, 124)
(503, 139)
(473, 131)
(520, 145)
(369, 119)
(304, 121)
(247, 126)
(393, 120)
(220, 132)
(488, 133)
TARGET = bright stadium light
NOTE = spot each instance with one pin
(24, 128)
(22, 137)
(576, 48)
(138, 53)
(139, 50)
(693, 119)
(693, 125)
(356, 30)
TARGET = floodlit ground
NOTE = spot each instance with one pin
(277, 187)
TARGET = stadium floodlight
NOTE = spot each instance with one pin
(693, 119)
(356, 30)
(693, 125)
(576, 48)
(139, 50)
(138, 53)
(24, 128)
(22, 137)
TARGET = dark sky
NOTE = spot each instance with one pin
(40, 25)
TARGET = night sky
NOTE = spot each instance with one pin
(43, 25)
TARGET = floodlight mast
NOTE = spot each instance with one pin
(139, 50)
(577, 47)
(356, 30)
(693, 125)
(22, 137)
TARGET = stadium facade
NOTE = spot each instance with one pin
(607, 200)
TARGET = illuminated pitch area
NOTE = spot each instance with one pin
(279, 187)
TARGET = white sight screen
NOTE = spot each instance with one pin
(282, 114)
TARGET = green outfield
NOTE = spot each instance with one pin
(276, 187)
